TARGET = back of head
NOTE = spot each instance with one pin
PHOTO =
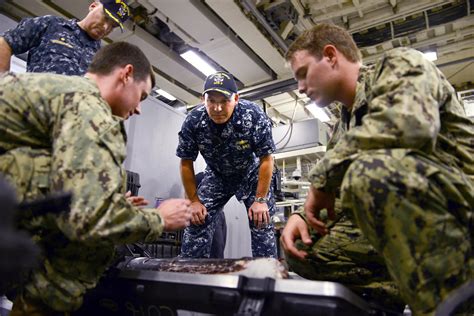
(314, 40)
(120, 54)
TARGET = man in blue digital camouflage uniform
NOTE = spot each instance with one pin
(234, 137)
(62, 46)
(401, 165)
(220, 232)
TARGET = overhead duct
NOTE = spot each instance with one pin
(412, 23)
(250, 6)
(168, 62)
(28, 7)
(232, 14)
(263, 91)
(215, 39)
(235, 39)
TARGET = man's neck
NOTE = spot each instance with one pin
(81, 24)
(99, 81)
(349, 84)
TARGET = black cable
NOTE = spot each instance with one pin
(290, 128)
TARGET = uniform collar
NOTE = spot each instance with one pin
(361, 87)
(95, 90)
(72, 24)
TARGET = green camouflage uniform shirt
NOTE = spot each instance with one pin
(58, 134)
(403, 103)
(403, 161)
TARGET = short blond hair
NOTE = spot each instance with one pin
(314, 40)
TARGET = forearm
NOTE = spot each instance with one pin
(100, 210)
(5, 55)
(189, 180)
(120, 223)
(264, 176)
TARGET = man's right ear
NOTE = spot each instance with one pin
(329, 51)
(93, 5)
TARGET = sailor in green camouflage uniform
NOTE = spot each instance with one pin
(402, 162)
(61, 133)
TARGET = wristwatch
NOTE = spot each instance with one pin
(261, 199)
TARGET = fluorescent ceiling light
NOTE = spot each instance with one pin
(200, 64)
(431, 56)
(165, 94)
(317, 112)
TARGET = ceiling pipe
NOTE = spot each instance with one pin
(455, 62)
(260, 92)
(249, 6)
(155, 12)
(144, 3)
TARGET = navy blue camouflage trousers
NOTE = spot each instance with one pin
(214, 193)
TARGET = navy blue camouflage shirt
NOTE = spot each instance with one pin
(53, 44)
(230, 151)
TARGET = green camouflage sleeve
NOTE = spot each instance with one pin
(402, 113)
(87, 157)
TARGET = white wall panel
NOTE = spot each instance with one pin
(152, 142)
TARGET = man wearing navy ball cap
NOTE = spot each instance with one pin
(235, 138)
(62, 46)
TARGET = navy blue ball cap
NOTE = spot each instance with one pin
(117, 10)
(222, 82)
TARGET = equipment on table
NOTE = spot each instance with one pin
(133, 182)
(144, 286)
(169, 243)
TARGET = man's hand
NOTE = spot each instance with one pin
(5, 55)
(136, 200)
(295, 228)
(176, 213)
(199, 213)
(259, 214)
(315, 202)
